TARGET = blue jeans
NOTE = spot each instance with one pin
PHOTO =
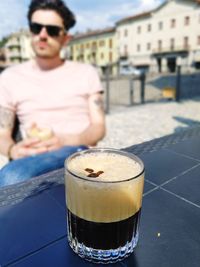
(25, 168)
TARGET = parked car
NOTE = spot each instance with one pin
(129, 70)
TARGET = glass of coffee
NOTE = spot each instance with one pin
(104, 190)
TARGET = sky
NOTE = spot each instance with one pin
(90, 14)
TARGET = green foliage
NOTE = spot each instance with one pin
(3, 41)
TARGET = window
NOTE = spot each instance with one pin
(125, 32)
(172, 43)
(173, 23)
(149, 27)
(148, 46)
(110, 56)
(138, 47)
(159, 45)
(139, 29)
(102, 55)
(186, 42)
(198, 40)
(125, 50)
(88, 45)
(101, 43)
(187, 21)
(110, 43)
(160, 25)
(94, 45)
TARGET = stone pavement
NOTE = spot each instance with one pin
(128, 126)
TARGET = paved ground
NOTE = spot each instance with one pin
(127, 126)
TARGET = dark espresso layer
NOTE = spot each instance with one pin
(103, 235)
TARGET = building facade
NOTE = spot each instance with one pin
(18, 48)
(97, 48)
(156, 41)
(161, 39)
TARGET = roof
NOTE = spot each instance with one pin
(146, 14)
(135, 17)
(92, 33)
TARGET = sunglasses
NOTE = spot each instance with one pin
(52, 30)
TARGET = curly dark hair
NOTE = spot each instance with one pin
(56, 5)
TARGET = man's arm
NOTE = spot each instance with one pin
(96, 130)
(7, 145)
(91, 135)
(6, 126)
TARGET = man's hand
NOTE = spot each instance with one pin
(52, 143)
(27, 147)
(34, 146)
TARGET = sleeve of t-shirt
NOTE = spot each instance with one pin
(6, 99)
(95, 85)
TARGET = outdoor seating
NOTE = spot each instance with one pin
(34, 214)
(169, 93)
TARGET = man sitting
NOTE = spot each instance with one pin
(63, 97)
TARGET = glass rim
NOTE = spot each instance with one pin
(111, 150)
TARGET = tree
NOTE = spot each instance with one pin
(3, 41)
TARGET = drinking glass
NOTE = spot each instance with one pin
(104, 190)
(43, 132)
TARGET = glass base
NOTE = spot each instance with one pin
(103, 256)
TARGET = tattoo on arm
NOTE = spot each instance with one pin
(6, 118)
(99, 103)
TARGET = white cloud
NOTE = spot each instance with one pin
(13, 16)
(149, 4)
(97, 19)
(100, 15)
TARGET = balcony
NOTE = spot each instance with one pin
(170, 49)
(12, 43)
(13, 46)
(13, 53)
(123, 55)
(81, 52)
(15, 59)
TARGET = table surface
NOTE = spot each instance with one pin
(33, 213)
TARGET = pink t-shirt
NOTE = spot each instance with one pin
(55, 98)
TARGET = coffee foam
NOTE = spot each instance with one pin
(102, 199)
(116, 167)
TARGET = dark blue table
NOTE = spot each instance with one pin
(33, 213)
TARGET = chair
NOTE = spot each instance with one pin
(16, 135)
